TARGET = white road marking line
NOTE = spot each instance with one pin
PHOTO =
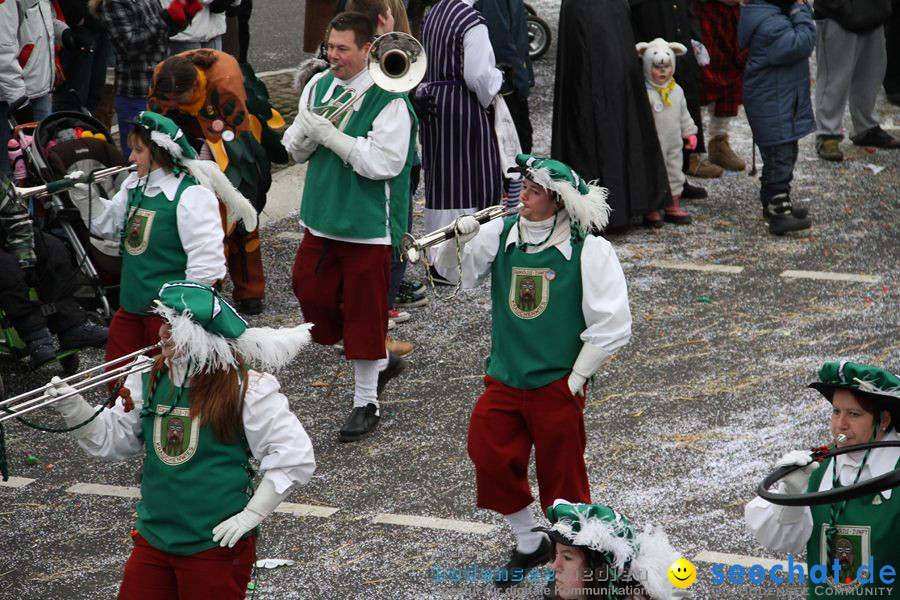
(305, 510)
(686, 266)
(744, 561)
(433, 523)
(99, 489)
(289, 235)
(826, 276)
(16, 482)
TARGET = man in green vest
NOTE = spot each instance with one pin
(354, 210)
(559, 310)
(850, 544)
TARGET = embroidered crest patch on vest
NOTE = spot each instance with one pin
(852, 549)
(137, 230)
(174, 434)
(529, 292)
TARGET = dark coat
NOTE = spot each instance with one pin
(508, 29)
(776, 78)
(855, 15)
(602, 124)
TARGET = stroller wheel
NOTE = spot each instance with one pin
(539, 36)
(69, 363)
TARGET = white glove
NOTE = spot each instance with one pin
(324, 132)
(797, 481)
(467, 227)
(74, 409)
(589, 360)
(75, 175)
(261, 505)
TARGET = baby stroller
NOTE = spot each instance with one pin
(61, 144)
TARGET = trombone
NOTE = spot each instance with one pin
(411, 248)
(40, 191)
(40, 397)
(396, 63)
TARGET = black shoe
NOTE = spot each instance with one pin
(412, 287)
(84, 335)
(39, 346)
(877, 138)
(361, 422)
(693, 192)
(798, 211)
(250, 306)
(395, 366)
(829, 148)
(526, 562)
(783, 220)
(409, 299)
(438, 278)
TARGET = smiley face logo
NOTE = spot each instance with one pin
(682, 573)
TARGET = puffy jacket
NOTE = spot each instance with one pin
(776, 78)
(12, 86)
(38, 29)
(855, 15)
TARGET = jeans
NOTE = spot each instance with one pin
(127, 110)
(40, 107)
(778, 170)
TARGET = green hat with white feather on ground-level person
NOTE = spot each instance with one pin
(874, 383)
(168, 136)
(584, 201)
(208, 331)
(608, 538)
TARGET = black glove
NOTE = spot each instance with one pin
(31, 277)
(508, 72)
(424, 106)
(24, 112)
(218, 6)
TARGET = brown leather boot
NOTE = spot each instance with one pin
(700, 167)
(720, 153)
(673, 213)
(399, 347)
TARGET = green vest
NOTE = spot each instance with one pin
(192, 481)
(864, 529)
(537, 317)
(152, 253)
(336, 200)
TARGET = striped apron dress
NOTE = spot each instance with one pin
(459, 147)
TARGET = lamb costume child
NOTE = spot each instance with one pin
(674, 126)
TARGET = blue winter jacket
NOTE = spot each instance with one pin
(776, 78)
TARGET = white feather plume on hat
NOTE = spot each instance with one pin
(587, 211)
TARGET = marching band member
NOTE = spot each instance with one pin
(168, 221)
(354, 209)
(198, 416)
(865, 403)
(560, 309)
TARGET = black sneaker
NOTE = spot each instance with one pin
(362, 421)
(877, 138)
(413, 287)
(407, 299)
(84, 335)
(693, 192)
(798, 211)
(40, 348)
(395, 366)
(783, 220)
(526, 562)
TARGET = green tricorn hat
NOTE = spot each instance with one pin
(607, 535)
(207, 330)
(874, 383)
(168, 136)
(585, 201)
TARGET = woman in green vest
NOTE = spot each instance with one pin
(861, 533)
(166, 217)
(197, 417)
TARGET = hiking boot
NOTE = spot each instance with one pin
(401, 348)
(782, 220)
(829, 148)
(397, 316)
(720, 153)
(693, 192)
(877, 138)
(40, 348)
(700, 167)
(84, 335)
(410, 299)
(415, 286)
(673, 213)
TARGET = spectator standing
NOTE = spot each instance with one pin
(84, 67)
(851, 60)
(206, 28)
(892, 42)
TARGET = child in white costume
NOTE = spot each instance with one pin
(674, 126)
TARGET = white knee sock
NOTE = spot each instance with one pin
(365, 374)
(522, 522)
(717, 125)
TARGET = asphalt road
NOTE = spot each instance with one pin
(682, 424)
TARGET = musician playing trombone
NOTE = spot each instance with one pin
(559, 310)
(198, 414)
(354, 209)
